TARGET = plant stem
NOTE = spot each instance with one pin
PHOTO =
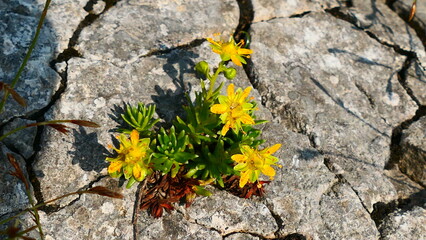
(213, 78)
(12, 132)
(36, 215)
(40, 205)
(27, 57)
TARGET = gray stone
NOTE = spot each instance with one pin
(173, 226)
(405, 224)
(142, 27)
(304, 191)
(18, 22)
(79, 154)
(22, 141)
(227, 213)
(267, 9)
(330, 92)
(241, 236)
(413, 149)
(92, 216)
(404, 186)
(416, 82)
(378, 19)
(345, 204)
(343, 94)
(64, 17)
(403, 8)
(13, 195)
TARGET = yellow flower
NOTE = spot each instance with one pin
(234, 109)
(230, 50)
(132, 158)
(252, 162)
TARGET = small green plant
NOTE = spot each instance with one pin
(216, 143)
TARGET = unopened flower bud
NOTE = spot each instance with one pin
(230, 73)
(203, 68)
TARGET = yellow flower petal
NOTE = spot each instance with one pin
(225, 128)
(218, 108)
(246, 119)
(134, 137)
(236, 61)
(230, 90)
(245, 94)
(244, 51)
(115, 166)
(272, 149)
(213, 42)
(239, 158)
(137, 172)
(268, 171)
(244, 178)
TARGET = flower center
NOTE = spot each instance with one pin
(230, 49)
(234, 105)
(134, 155)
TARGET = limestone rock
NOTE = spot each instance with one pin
(227, 213)
(267, 9)
(377, 18)
(18, 22)
(413, 149)
(22, 141)
(403, 8)
(313, 87)
(241, 236)
(329, 90)
(12, 192)
(343, 200)
(305, 174)
(405, 224)
(173, 226)
(402, 183)
(416, 82)
(133, 28)
(92, 216)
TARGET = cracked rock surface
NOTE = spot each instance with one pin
(413, 144)
(341, 82)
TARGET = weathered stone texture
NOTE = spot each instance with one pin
(12, 191)
(416, 82)
(377, 18)
(413, 149)
(139, 27)
(304, 192)
(241, 236)
(175, 226)
(269, 9)
(329, 89)
(227, 213)
(405, 224)
(92, 216)
(23, 140)
(403, 8)
(18, 22)
(343, 94)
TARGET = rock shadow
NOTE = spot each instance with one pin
(308, 154)
(169, 102)
(88, 153)
(419, 72)
(358, 58)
